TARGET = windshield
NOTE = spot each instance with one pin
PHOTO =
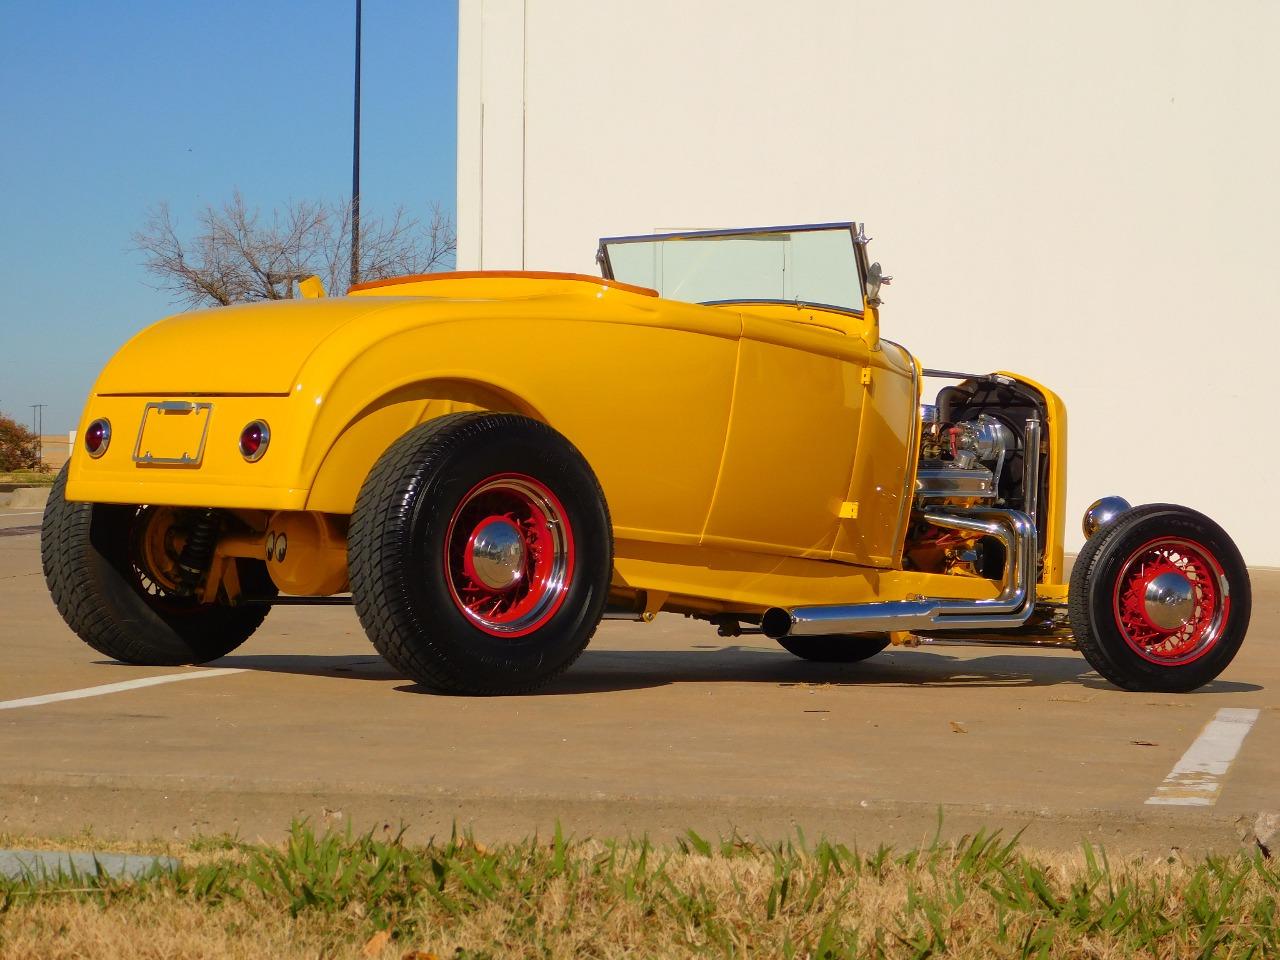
(815, 265)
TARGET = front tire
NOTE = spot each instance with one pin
(105, 592)
(1160, 599)
(480, 554)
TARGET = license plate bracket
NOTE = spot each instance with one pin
(170, 431)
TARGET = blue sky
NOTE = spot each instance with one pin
(109, 108)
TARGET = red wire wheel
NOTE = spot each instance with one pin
(1159, 599)
(509, 555)
(1171, 602)
(481, 553)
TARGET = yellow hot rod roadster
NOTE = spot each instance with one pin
(486, 464)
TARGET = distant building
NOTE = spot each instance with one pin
(55, 450)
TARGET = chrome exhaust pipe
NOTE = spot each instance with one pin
(1013, 607)
(1015, 529)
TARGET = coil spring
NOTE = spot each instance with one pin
(197, 552)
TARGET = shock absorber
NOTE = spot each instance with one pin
(197, 552)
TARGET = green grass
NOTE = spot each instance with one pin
(981, 896)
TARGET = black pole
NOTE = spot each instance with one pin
(355, 168)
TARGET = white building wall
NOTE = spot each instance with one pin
(1085, 193)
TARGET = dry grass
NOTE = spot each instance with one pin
(328, 896)
(28, 478)
(24, 478)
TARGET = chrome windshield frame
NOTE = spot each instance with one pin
(858, 237)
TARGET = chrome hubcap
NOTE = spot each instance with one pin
(1169, 600)
(495, 554)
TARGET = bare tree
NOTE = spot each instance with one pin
(238, 255)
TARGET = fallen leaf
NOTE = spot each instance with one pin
(375, 944)
(1143, 743)
(957, 727)
(419, 955)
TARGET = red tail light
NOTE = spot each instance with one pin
(254, 439)
(97, 437)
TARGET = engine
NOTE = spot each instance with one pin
(961, 460)
(972, 452)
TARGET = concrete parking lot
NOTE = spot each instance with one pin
(658, 728)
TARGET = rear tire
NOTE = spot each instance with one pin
(480, 554)
(100, 589)
(1160, 599)
(834, 649)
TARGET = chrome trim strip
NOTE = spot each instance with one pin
(849, 225)
(951, 374)
(171, 407)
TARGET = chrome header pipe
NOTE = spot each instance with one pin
(1031, 472)
(1016, 531)
(1012, 607)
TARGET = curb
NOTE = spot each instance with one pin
(29, 498)
(57, 864)
(131, 807)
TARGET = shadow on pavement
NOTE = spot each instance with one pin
(365, 666)
(600, 671)
(604, 671)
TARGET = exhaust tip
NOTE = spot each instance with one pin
(776, 623)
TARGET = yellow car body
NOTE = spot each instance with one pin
(751, 455)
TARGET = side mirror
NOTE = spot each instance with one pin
(875, 280)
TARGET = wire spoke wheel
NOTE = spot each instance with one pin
(1171, 601)
(1160, 599)
(509, 555)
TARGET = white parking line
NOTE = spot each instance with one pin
(116, 687)
(1196, 779)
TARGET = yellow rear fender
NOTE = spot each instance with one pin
(346, 459)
